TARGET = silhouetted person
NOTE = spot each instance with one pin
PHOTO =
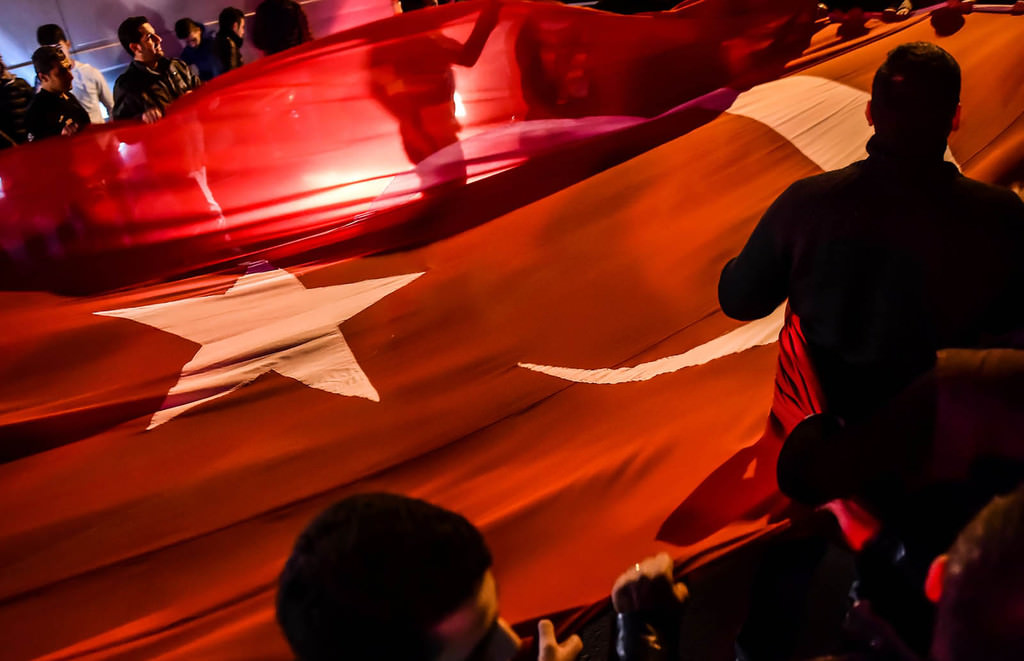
(891, 258)
(886, 261)
(413, 79)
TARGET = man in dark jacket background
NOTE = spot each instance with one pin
(198, 51)
(15, 97)
(152, 81)
(54, 110)
(228, 42)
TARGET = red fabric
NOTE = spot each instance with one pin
(744, 487)
(334, 135)
(118, 542)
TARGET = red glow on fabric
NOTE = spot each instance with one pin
(338, 134)
(601, 248)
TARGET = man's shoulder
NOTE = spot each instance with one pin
(19, 84)
(42, 102)
(832, 179)
(130, 75)
(990, 197)
(72, 100)
(824, 186)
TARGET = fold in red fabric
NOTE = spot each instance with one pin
(339, 134)
(163, 443)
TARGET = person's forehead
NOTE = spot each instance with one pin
(146, 29)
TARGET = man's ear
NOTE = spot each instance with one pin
(871, 120)
(956, 118)
(936, 579)
(135, 47)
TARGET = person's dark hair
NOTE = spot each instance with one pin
(128, 32)
(373, 574)
(980, 616)
(279, 25)
(413, 5)
(915, 94)
(227, 19)
(50, 34)
(46, 58)
(184, 26)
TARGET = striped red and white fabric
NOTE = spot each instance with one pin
(561, 375)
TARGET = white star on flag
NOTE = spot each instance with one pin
(265, 322)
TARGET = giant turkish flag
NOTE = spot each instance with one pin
(560, 374)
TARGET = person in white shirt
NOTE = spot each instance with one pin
(88, 87)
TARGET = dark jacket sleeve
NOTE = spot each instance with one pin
(1006, 318)
(648, 636)
(227, 53)
(756, 281)
(43, 121)
(128, 103)
(189, 78)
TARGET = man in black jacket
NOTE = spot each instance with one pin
(54, 110)
(15, 97)
(152, 81)
(894, 257)
(228, 42)
(198, 51)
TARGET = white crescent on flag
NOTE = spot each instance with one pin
(822, 118)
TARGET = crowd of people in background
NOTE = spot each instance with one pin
(70, 95)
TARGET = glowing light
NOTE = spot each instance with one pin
(2, 196)
(122, 149)
(460, 110)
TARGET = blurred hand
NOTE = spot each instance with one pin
(152, 115)
(548, 648)
(70, 128)
(648, 586)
